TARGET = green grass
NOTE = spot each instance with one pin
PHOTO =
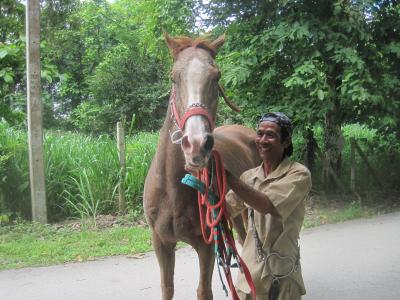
(352, 211)
(334, 214)
(82, 172)
(33, 244)
(27, 244)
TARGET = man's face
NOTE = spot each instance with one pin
(268, 141)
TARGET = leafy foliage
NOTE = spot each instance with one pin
(328, 65)
(116, 61)
(131, 85)
(321, 63)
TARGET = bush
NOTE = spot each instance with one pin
(14, 171)
(382, 151)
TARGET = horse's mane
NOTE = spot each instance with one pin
(199, 42)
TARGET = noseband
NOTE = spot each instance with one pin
(195, 109)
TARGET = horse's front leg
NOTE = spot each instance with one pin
(166, 260)
(206, 262)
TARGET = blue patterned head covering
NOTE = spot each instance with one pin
(279, 118)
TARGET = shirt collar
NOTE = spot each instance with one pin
(282, 169)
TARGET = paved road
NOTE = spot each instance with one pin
(353, 260)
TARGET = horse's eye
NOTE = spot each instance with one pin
(217, 75)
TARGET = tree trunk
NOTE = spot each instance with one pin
(333, 143)
(311, 148)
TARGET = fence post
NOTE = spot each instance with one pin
(34, 108)
(122, 163)
(352, 164)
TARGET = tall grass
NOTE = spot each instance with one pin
(140, 150)
(82, 172)
(14, 171)
(84, 202)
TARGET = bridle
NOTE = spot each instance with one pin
(195, 109)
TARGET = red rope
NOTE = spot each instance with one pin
(203, 198)
(211, 222)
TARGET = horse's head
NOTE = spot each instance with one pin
(194, 96)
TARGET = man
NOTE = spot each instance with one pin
(275, 193)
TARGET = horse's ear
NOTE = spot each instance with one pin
(218, 42)
(171, 43)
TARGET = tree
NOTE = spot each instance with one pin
(384, 60)
(12, 63)
(11, 20)
(317, 61)
(132, 80)
(116, 64)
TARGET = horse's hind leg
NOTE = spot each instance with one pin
(166, 260)
(206, 262)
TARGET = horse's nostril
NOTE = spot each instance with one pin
(197, 159)
(209, 143)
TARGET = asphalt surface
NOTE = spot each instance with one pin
(353, 260)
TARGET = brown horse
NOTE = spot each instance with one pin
(171, 207)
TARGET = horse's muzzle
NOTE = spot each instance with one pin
(197, 151)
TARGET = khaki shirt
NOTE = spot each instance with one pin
(287, 187)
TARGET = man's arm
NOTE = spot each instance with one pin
(258, 200)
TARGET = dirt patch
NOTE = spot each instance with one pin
(101, 222)
(323, 208)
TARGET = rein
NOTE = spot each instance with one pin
(217, 221)
(216, 218)
(215, 210)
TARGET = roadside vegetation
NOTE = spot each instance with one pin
(33, 244)
(332, 68)
(82, 173)
(26, 244)
(82, 180)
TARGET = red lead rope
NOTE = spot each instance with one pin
(223, 239)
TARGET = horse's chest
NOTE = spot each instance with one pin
(174, 218)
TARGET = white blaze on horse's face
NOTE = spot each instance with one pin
(195, 79)
(198, 86)
(196, 128)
